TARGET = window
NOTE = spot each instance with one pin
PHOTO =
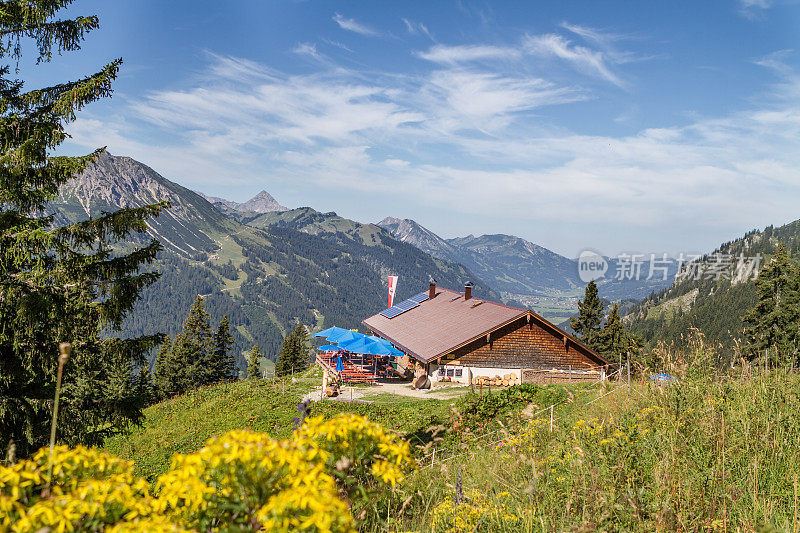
(441, 371)
(449, 372)
(458, 372)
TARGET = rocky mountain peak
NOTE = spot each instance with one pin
(262, 202)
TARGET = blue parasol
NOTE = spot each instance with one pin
(327, 333)
(328, 348)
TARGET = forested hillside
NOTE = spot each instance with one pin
(706, 298)
(265, 279)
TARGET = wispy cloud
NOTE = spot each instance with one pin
(337, 44)
(754, 9)
(416, 28)
(308, 49)
(354, 26)
(592, 62)
(462, 54)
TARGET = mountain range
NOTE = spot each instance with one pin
(266, 278)
(268, 267)
(522, 270)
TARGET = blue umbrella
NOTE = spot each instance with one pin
(370, 346)
(328, 348)
(327, 333)
(347, 336)
(391, 350)
(357, 345)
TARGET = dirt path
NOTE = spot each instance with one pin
(446, 392)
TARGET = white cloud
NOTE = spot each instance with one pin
(337, 44)
(354, 26)
(761, 4)
(450, 55)
(592, 62)
(415, 28)
(308, 49)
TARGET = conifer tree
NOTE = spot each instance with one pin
(293, 356)
(223, 362)
(195, 346)
(588, 323)
(253, 360)
(614, 339)
(196, 357)
(61, 284)
(772, 327)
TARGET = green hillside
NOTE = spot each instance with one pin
(713, 306)
(184, 423)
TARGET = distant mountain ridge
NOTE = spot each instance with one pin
(262, 202)
(511, 264)
(522, 270)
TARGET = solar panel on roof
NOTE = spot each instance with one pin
(419, 298)
(391, 312)
(405, 305)
(402, 307)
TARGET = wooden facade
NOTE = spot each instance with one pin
(523, 344)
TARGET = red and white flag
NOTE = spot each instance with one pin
(392, 289)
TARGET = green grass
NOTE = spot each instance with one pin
(707, 453)
(183, 424)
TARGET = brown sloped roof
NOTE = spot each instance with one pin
(442, 323)
(447, 322)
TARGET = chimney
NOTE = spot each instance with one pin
(432, 288)
(467, 290)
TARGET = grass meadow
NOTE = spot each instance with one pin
(713, 451)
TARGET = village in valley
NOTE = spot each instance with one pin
(463, 267)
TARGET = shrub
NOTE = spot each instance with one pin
(241, 480)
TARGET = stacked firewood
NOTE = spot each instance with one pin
(505, 380)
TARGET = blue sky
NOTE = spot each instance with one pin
(620, 126)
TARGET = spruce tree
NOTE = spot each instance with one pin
(772, 326)
(293, 356)
(253, 360)
(614, 339)
(588, 323)
(223, 362)
(183, 364)
(61, 284)
(196, 346)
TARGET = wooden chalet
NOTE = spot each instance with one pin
(453, 335)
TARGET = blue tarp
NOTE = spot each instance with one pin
(663, 376)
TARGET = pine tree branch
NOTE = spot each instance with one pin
(31, 19)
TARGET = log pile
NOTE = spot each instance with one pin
(506, 380)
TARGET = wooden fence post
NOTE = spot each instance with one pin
(551, 418)
(628, 364)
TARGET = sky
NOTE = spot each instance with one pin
(617, 126)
